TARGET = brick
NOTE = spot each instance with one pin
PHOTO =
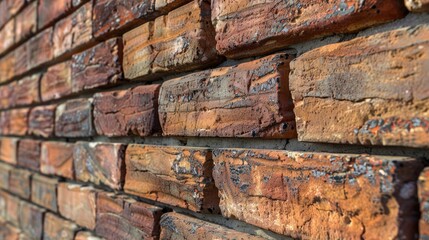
(13, 205)
(73, 32)
(21, 59)
(8, 150)
(57, 159)
(4, 122)
(40, 48)
(18, 122)
(6, 92)
(51, 10)
(29, 154)
(26, 22)
(3, 206)
(127, 112)
(8, 8)
(20, 183)
(100, 163)
(56, 82)
(417, 5)
(178, 176)
(31, 217)
(9, 232)
(78, 204)
(26, 91)
(58, 228)
(178, 226)
(120, 217)
(6, 71)
(5, 170)
(41, 121)
(74, 119)
(7, 36)
(180, 41)
(319, 195)
(248, 28)
(44, 192)
(423, 192)
(86, 235)
(98, 66)
(207, 103)
(336, 100)
(168, 5)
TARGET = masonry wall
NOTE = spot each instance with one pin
(191, 119)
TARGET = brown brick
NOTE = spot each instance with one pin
(31, 220)
(127, 112)
(29, 154)
(249, 28)
(6, 92)
(5, 170)
(178, 226)
(58, 228)
(57, 159)
(13, 205)
(336, 100)
(4, 122)
(319, 195)
(21, 60)
(20, 182)
(26, 91)
(73, 32)
(26, 22)
(179, 41)
(9, 8)
(41, 121)
(18, 122)
(100, 163)
(98, 66)
(179, 176)
(9, 232)
(78, 204)
(74, 119)
(40, 48)
(8, 150)
(7, 71)
(207, 103)
(417, 5)
(86, 235)
(44, 191)
(3, 206)
(423, 189)
(7, 36)
(120, 217)
(51, 10)
(56, 82)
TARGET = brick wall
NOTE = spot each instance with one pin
(221, 119)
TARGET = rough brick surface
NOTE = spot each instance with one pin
(22, 59)
(41, 121)
(29, 154)
(207, 103)
(44, 192)
(40, 48)
(7, 36)
(120, 217)
(31, 220)
(57, 228)
(423, 187)
(179, 176)
(6, 92)
(50, 10)
(9, 232)
(100, 163)
(316, 195)
(179, 41)
(8, 8)
(18, 122)
(246, 28)
(127, 112)
(56, 82)
(7, 69)
(3, 205)
(417, 5)
(5, 170)
(337, 82)
(26, 91)
(20, 183)
(26, 22)
(13, 205)
(74, 119)
(57, 159)
(8, 150)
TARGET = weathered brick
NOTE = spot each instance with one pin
(168, 5)
(44, 191)
(319, 195)
(74, 119)
(9, 232)
(98, 66)
(4, 122)
(31, 220)
(57, 159)
(336, 100)
(179, 41)
(18, 122)
(423, 190)
(78, 204)
(56, 82)
(417, 5)
(178, 226)
(26, 91)
(7, 71)
(6, 92)
(51, 10)
(58, 228)
(249, 28)
(13, 205)
(3, 206)
(5, 170)
(9, 8)
(127, 112)
(21, 59)
(86, 235)
(7, 35)
(41, 121)
(8, 150)
(20, 182)
(40, 48)
(100, 163)
(73, 32)
(120, 217)
(26, 22)
(29, 154)
(179, 176)
(207, 103)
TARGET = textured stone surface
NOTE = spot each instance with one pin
(31, 220)
(57, 159)
(18, 122)
(26, 22)
(320, 195)
(20, 183)
(5, 170)
(26, 91)
(120, 217)
(40, 48)
(56, 82)
(58, 228)
(29, 154)
(74, 119)
(50, 10)
(8, 150)
(100, 163)
(417, 5)
(44, 191)
(207, 103)
(178, 226)
(179, 176)
(41, 121)
(337, 101)
(179, 41)
(246, 27)
(423, 187)
(127, 112)
(98, 66)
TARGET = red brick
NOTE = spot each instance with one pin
(40, 48)
(168, 5)
(86, 235)
(207, 103)
(41, 121)
(74, 119)
(51, 10)
(3, 206)
(31, 220)
(120, 217)
(179, 176)
(9, 8)
(417, 5)
(21, 60)
(6, 93)
(58, 228)
(180, 41)
(7, 69)
(18, 122)
(98, 66)
(20, 183)
(29, 154)
(100, 163)
(8, 150)
(57, 159)
(423, 190)
(7, 35)
(26, 91)
(9, 232)
(56, 82)
(26, 22)
(5, 170)
(248, 28)
(127, 112)
(13, 205)
(44, 192)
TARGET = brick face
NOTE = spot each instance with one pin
(56, 82)
(9, 150)
(44, 192)
(40, 48)
(31, 217)
(26, 22)
(57, 228)
(26, 91)
(49, 10)
(29, 154)
(57, 159)
(41, 121)
(417, 5)
(74, 119)
(20, 183)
